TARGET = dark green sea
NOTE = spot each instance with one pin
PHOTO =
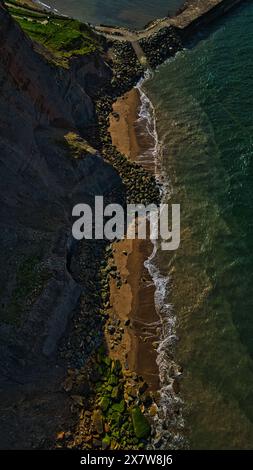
(131, 13)
(203, 101)
(204, 107)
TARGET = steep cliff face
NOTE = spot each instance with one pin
(41, 181)
(40, 104)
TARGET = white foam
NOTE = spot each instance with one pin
(48, 7)
(169, 421)
(147, 114)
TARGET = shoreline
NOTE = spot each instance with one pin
(147, 353)
(137, 293)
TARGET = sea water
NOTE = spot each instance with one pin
(203, 101)
(128, 13)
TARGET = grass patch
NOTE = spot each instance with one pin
(78, 147)
(62, 37)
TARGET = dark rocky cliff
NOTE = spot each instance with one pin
(41, 180)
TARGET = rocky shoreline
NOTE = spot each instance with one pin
(110, 397)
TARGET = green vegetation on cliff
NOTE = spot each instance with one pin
(62, 37)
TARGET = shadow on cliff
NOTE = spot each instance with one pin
(43, 174)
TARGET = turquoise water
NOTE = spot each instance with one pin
(131, 13)
(204, 106)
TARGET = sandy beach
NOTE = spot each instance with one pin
(122, 124)
(133, 302)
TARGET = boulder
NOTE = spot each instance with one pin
(97, 422)
(141, 425)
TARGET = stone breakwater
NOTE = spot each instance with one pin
(157, 39)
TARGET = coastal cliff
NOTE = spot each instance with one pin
(46, 166)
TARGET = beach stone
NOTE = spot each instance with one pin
(116, 367)
(147, 399)
(115, 393)
(143, 388)
(87, 439)
(111, 329)
(107, 428)
(176, 386)
(106, 442)
(119, 407)
(113, 380)
(97, 421)
(60, 436)
(107, 361)
(104, 404)
(153, 410)
(96, 443)
(180, 369)
(78, 400)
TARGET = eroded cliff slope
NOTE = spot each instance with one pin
(46, 110)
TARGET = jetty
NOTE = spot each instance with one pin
(194, 15)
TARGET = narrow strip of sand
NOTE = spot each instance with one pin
(123, 124)
(133, 302)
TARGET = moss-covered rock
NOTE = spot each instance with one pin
(113, 380)
(104, 404)
(140, 423)
(116, 419)
(106, 442)
(107, 361)
(116, 367)
(116, 393)
(119, 407)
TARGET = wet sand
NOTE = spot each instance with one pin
(134, 300)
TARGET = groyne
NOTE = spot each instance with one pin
(201, 13)
(195, 15)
